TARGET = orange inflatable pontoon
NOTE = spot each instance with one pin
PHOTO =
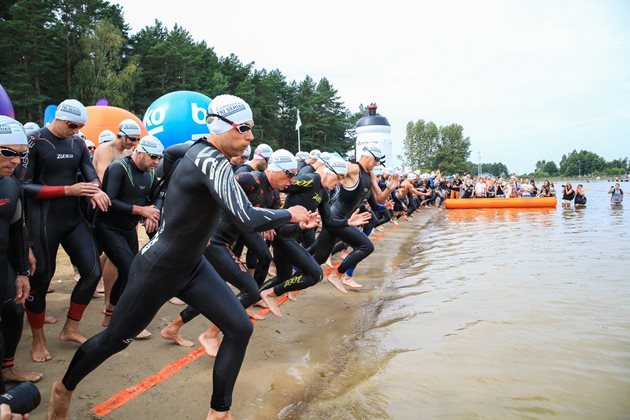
(497, 203)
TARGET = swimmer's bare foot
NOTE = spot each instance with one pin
(261, 304)
(49, 319)
(59, 404)
(171, 332)
(11, 374)
(329, 263)
(254, 315)
(269, 297)
(343, 254)
(39, 352)
(176, 301)
(349, 281)
(70, 332)
(219, 415)
(209, 341)
(291, 296)
(334, 278)
(394, 222)
(144, 334)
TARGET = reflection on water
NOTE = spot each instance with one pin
(499, 314)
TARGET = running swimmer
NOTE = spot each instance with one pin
(355, 188)
(172, 263)
(310, 191)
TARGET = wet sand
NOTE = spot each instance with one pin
(288, 361)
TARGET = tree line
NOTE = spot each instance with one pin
(83, 49)
(582, 163)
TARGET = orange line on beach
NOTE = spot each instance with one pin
(123, 397)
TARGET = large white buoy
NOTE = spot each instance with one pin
(374, 129)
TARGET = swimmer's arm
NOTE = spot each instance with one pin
(18, 239)
(112, 180)
(326, 215)
(103, 155)
(33, 189)
(87, 167)
(231, 197)
(381, 195)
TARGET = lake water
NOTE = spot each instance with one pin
(498, 314)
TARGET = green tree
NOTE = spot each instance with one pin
(581, 163)
(453, 150)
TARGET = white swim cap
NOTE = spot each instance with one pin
(150, 144)
(30, 126)
(325, 156)
(105, 136)
(411, 177)
(372, 150)
(263, 151)
(71, 110)
(11, 132)
(378, 170)
(247, 152)
(80, 134)
(282, 160)
(129, 128)
(336, 165)
(89, 143)
(301, 156)
(231, 107)
(315, 154)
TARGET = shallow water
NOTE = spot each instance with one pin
(498, 314)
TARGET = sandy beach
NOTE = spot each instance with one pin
(289, 360)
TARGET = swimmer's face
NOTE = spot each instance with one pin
(330, 181)
(234, 143)
(280, 180)
(238, 160)
(8, 165)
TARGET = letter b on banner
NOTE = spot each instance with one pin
(178, 117)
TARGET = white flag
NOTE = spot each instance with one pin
(298, 123)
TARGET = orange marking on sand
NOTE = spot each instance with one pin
(123, 397)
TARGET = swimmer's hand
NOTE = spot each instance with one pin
(358, 219)
(313, 221)
(5, 413)
(298, 214)
(81, 189)
(100, 200)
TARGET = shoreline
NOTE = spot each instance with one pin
(289, 361)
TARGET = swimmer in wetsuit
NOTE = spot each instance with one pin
(310, 191)
(54, 218)
(172, 263)
(129, 133)
(15, 267)
(128, 182)
(355, 188)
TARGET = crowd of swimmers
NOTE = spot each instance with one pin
(201, 203)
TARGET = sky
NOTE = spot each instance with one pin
(528, 80)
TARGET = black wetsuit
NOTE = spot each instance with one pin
(172, 264)
(219, 252)
(13, 257)
(115, 230)
(347, 201)
(308, 191)
(54, 219)
(307, 169)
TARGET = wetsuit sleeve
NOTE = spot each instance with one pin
(87, 167)
(157, 201)
(18, 239)
(302, 182)
(327, 218)
(112, 181)
(231, 197)
(248, 182)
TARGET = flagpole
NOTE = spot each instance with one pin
(298, 124)
(299, 148)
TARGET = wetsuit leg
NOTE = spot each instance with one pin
(284, 269)
(323, 246)
(80, 246)
(308, 271)
(360, 243)
(258, 256)
(208, 292)
(308, 238)
(340, 246)
(148, 289)
(46, 238)
(12, 320)
(234, 272)
(120, 246)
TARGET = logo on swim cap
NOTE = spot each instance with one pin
(229, 109)
(5, 129)
(11, 131)
(70, 109)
